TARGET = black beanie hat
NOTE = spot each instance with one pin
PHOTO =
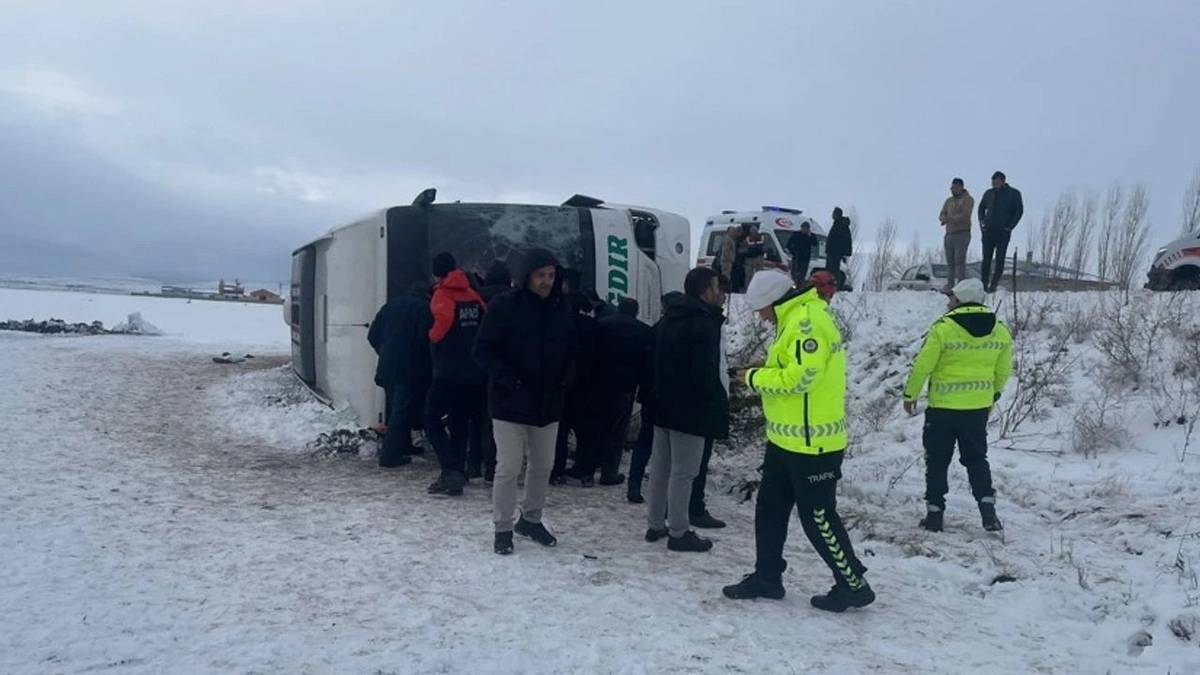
(443, 264)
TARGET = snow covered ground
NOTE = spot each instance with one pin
(161, 514)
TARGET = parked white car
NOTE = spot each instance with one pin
(927, 277)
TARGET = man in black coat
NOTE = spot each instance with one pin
(579, 416)
(839, 244)
(496, 282)
(399, 334)
(644, 444)
(527, 346)
(622, 346)
(1000, 210)
(799, 248)
(690, 405)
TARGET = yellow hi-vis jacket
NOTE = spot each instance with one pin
(803, 384)
(966, 358)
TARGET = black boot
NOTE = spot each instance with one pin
(634, 496)
(991, 522)
(612, 479)
(841, 597)
(933, 519)
(754, 586)
(536, 532)
(690, 542)
(475, 471)
(705, 521)
(438, 487)
(504, 543)
(656, 535)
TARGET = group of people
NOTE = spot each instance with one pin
(743, 252)
(516, 366)
(1000, 210)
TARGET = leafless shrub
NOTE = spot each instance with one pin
(1034, 316)
(1080, 321)
(1040, 380)
(1191, 205)
(1131, 337)
(875, 413)
(1099, 425)
(913, 255)
(1132, 238)
(884, 262)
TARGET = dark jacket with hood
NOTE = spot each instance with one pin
(646, 386)
(527, 345)
(624, 346)
(689, 395)
(839, 243)
(1000, 210)
(457, 312)
(800, 245)
(399, 334)
(498, 280)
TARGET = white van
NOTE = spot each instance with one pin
(340, 280)
(776, 224)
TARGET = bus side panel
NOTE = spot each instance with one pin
(617, 268)
(349, 304)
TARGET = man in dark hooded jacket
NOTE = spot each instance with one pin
(527, 346)
(496, 282)
(399, 334)
(839, 244)
(623, 345)
(579, 415)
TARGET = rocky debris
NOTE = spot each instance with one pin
(55, 327)
(134, 325)
(360, 442)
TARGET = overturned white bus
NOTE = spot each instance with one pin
(340, 280)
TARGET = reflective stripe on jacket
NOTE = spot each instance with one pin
(966, 358)
(803, 384)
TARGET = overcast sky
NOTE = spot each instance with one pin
(198, 137)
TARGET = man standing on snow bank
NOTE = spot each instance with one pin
(803, 389)
(527, 346)
(1000, 210)
(690, 405)
(399, 334)
(956, 218)
(839, 244)
(967, 360)
(457, 394)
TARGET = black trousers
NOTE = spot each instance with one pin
(809, 484)
(799, 270)
(406, 412)
(610, 445)
(696, 506)
(578, 417)
(488, 447)
(995, 247)
(833, 265)
(943, 429)
(642, 449)
(453, 421)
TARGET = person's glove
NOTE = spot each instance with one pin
(910, 407)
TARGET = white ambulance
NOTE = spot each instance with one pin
(1176, 266)
(776, 223)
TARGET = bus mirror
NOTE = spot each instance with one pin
(425, 198)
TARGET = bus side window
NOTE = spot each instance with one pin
(645, 228)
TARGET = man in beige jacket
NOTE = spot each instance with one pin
(956, 218)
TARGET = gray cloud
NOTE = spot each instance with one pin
(279, 119)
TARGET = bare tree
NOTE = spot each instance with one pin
(1132, 238)
(1061, 233)
(853, 269)
(1039, 240)
(913, 255)
(883, 262)
(1113, 201)
(1191, 205)
(1081, 253)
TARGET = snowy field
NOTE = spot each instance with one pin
(161, 514)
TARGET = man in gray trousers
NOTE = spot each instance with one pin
(956, 218)
(690, 404)
(527, 344)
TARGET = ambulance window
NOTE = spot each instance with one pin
(771, 249)
(714, 243)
